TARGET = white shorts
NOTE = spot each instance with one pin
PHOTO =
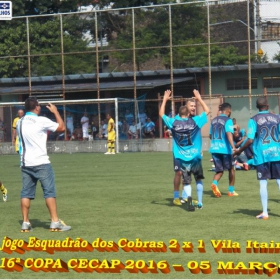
(85, 133)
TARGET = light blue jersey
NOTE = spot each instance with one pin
(218, 131)
(186, 132)
(264, 129)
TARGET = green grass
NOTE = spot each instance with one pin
(130, 196)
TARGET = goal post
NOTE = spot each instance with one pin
(95, 108)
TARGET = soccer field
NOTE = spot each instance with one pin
(127, 198)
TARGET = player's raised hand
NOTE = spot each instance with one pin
(196, 94)
(52, 107)
(167, 94)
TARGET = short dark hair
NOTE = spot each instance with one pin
(225, 106)
(31, 103)
(261, 103)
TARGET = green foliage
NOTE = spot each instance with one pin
(44, 38)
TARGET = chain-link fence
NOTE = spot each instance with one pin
(194, 35)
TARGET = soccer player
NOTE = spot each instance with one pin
(187, 143)
(222, 147)
(35, 165)
(4, 192)
(191, 106)
(111, 136)
(263, 132)
(15, 136)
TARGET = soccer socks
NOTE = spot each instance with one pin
(176, 194)
(199, 191)
(184, 195)
(188, 190)
(264, 196)
(231, 189)
(215, 182)
(111, 147)
(278, 183)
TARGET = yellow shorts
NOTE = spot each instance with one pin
(112, 136)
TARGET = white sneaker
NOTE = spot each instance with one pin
(113, 153)
(107, 153)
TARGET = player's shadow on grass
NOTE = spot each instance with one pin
(170, 204)
(274, 200)
(35, 223)
(251, 212)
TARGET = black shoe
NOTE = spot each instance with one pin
(190, 204)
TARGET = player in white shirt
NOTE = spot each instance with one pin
(35, 164)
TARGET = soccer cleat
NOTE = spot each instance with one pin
(177, 202)
(232, 193)
(199, 206)
(194, 202)
(59, 226)
(5, 195)
(190, 204)
(107, 153)
(215, 190)
(26, 227)
(262, 217)
(246, 166)
(113, 153)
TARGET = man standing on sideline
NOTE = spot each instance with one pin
(111, 136)
(222, 147)
(263, 132)
(35, 165)
(187, 143)
(84, 123)
(15, 136)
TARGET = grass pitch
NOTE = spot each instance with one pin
(130, 196)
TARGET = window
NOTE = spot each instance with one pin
(241, 83)
(271, 82)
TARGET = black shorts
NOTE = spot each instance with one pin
(189, 167)
(222, 162)
(268, 170)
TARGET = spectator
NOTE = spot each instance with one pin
(167, 132)
(133, 131)
(149, 129)
(70, 122)
(104, 130)
(124, 130)
(129, 117)
(93, 129)
(84, 122)
(235, 125)
(142, 117)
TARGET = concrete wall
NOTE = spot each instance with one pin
(99, 146)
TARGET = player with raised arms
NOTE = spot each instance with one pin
(187, 143)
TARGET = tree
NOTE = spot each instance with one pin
(45, 41)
